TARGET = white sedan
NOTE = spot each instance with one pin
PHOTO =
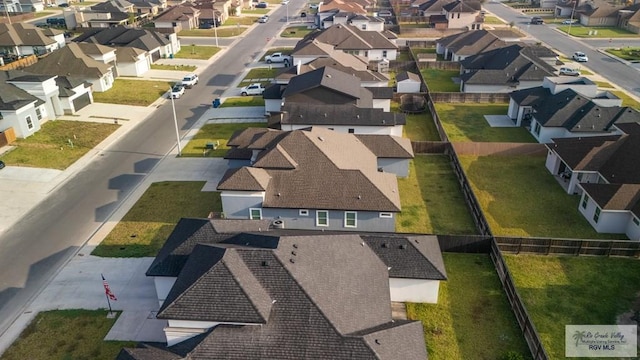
(177, 91)
(579, 56)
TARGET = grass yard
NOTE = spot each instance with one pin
(466, 122)
(66, 334)
(244, 20)
(559, 291)
(133, 92)
(404, 56)
(260, 73)
(197, 52)
(627, 100)
(228, 31)
(440, 80)
(295, 32)
(627, 53)
(519, 197)
(492, 20)
(243, 101)
(40, 14)
(603, 32)
(173, 67)
(604, 84)
(50, 147)
(472, 319)
(212, 133)
(431, 199)
(145, 228)
(419, 127)
(256, 11)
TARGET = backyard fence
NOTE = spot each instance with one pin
(477, 98)
(440, 65)
(421, 43)
(429, 147)
(575, 247)
(403, 66)
(499, 149)
(529, 332)
(20, 63)
(436, 120)
(465, 243)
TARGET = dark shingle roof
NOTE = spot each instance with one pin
(405, 75)
(327, 77)
(387, 146)
(416, 257)
(70, 61)
(463, 6)
(23, 34)
(615, 196)
(347, 37)
(122, 36)
(313, 114)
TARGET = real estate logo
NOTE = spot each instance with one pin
(601, 340)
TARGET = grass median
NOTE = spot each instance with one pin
(147, 225)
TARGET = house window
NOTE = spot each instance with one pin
(458, 15)
(352, 131)
(364, 26)
(39, 113)
(384, 53)
(303, 212)
(585, 199)
(255, 214)
(350, 219)
(385, 215)
(596, 215)
(536, 128)
(636, 221)
(322, 218)
(29, 122)
(580, 176)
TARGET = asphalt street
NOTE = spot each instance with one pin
(611, 69)
(48, 236)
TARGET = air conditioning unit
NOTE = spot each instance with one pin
(277, 224)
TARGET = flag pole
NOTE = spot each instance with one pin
(106, 294)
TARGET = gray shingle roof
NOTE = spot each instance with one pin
(122, 36)
(23, 34)
(347, 37)
(471, 42)
(323, 178)
(327, 77)
(615, 196)
(405, 75)
(70, 61)
(463, 6)
(415, 257)
(387, 146)
(312, 114)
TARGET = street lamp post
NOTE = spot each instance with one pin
(575, 2)
(175, 122)
(215, 24)
(287, 12)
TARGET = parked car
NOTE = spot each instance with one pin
(284, 2)
(569, 71)
(537, 20)
(41, 25)
(56, 22)
(263, 19)
(177, 91)
(2, 165)
(63, 5)
(190, 80)
(569, 21)
(384, 13)
(252, 89)
(314, 6)
(205, 25)
(262, 5)
(278, 58)
(579, 56)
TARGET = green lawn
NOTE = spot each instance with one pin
(40, 14)
(472, 319)
(197, 52)
(519, 197)
(243, 101)
(559, 291)
(466, 122)
(173, 67)
(50, 147)
(133, 92)
(211, 133)
(419, 127)
(66, 334)
(244, 20)
(145, 228)
(627, 100)
(627, 53)
(256, 11)
(431, 199)
(603, 84)
(492, 20)
(260, 73)
(227, 31)
(440, 80)
(603, 32)
(295, 32)
(404, 56)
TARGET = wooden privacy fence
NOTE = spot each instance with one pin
(465, 243)
(478, 98)
(499, 149)
(429, 147)
(576, 247)
(440, 65)
(529, 331)
(20, 63)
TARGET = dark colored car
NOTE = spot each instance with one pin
(262, 5)
(64, 5)
(536, 20)
(2, 165)
(206, 25)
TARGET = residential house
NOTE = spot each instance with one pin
(521, 102)
(505, 69)
(355, 7)
(22, 112)
(23, 39)
(114, 6)
(327, 85)
(372, 45)
(31, 5)
(463, 14)
(74, 94)
(82, 18)
(408, 82)
(84, 67)
(216, 12)
(156, 44)
(360, 21)
(457, 47)
(428, 8)
(341, 118)
(309, 179)
(597, 13)
(629, 18)
(271, 277)
(127, 61)
(149, 7)
(178, 18)
(599, 168)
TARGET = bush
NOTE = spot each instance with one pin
(512, 355)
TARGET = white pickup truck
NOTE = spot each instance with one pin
(278, 58)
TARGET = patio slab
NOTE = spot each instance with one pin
(499, 121)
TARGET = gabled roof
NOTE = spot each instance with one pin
(313, 114)
(178, 13)
(70, 61)
(597, 9)
(13, 98)
(615, 196)
(347, 37)
(363, 74)
(333, 171)
(327, 295)
(405, 75)
(122, 36)
(112, 6)
(432, 6)
(23, 34)
(388, 146)
(326, 77)
(94, 49)
(340, 5)
(245, 178)
(463, 6)
(128, 54)
(66, 84)
(471, 42)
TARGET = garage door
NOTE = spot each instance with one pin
(81, 101)
(155, 56)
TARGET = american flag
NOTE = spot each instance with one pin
(107, 289)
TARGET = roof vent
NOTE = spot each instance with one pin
(416, 240)
(325, 114)
(264, 263)
(377, 341)
(278, 194)
(293, 253)
(403, 246)
(295, 246)
(329, 76)
(320, 138)
(359, 197)
(385, 245)
(300, 116)
(292, 261)
(358, 116)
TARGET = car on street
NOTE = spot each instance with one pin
(252, 89)
(177, 91)
(579, 56)
(63, 5)
(190, 80)
(263, 19)
(262, 5)
(569, 21)
(569, 71)
(284, 2)
(2, 165)
(537, 20)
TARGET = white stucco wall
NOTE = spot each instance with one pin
(384, 104)
(611, 222)
(163, 286)
(272, 105)
(414, 290)
(408, 86)
(633, 229)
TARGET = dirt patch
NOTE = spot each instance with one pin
(631, 317)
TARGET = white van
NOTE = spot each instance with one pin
(569, 71)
